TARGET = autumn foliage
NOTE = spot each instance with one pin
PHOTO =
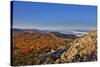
(32, 48)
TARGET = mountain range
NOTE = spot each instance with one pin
(75, 32)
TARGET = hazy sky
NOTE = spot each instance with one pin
(53, 16)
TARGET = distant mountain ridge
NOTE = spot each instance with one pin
(26, 30)
(43, 32)
(75, 32)
(62, 35)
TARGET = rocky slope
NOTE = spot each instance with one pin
(82, 49)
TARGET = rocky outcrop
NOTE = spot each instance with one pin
(82, 49)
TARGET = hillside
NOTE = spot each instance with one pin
(82, 49)
(32, 48)
(61, 35)
(38, 40)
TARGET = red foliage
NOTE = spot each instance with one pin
(25, 50)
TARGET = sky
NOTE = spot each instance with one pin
(53, 16)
